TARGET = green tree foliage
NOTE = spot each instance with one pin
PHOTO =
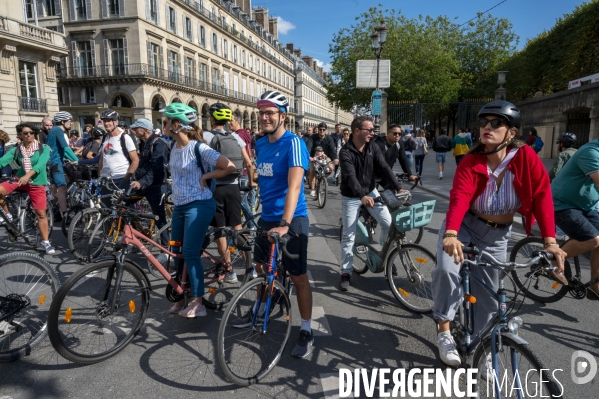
(432, 59)
(568, 51)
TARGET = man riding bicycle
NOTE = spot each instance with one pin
(320, 139)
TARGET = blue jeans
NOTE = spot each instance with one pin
(351, 211)
(410, 159)
(189, 225)
(419, 163)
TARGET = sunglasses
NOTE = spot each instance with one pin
(368, 130)
(322, 130)
(495, 123)
(396, 133)
(27, 133)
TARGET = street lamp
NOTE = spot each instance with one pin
(379, 37)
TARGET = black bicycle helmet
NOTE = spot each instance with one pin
(567, 139)
(123, 125)
(97, 133)
(322, 125)
(220, 112)
(74, 132)
(110, 115)
(503, 109)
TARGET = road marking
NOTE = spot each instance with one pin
(330, 385)
(320, 324)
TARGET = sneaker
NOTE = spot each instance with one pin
(440, 177)
(313, 193)
(254, 273)
(194, 309)
(231, 277)
(177, 307)
(447, 350)
(488, 368)
(344, 282)
(304, 344)
(48, 247)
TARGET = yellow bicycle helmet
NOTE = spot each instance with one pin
(220, 112)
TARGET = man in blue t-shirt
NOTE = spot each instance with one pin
(575, 197)
(281, 165)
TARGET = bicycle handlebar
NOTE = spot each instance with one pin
(405, 177)
(538, 256)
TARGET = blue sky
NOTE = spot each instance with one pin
(310, 24)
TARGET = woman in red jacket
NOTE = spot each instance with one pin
(497, 178)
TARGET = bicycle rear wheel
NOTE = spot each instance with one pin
(220, 286)
(68, 218)
(542, 288)
(413, 236)
(28, 223)
(29, 284)
(516, 362)
(103, 241)
(80, 230)
(321, 192)
(412, 286)
(81, 326)
(246, 354)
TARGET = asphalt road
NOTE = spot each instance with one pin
(363, 328)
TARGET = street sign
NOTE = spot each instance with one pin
(377, 100)
(366, 74)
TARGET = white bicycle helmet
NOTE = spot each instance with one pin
(272, 98)
(62, 116)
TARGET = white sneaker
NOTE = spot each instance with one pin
(488, 368)
(313, 193)
(48, 247)
(447, 350)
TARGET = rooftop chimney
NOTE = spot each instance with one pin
(289, 46)
(308, 60)
(272, 27)
(261, 16)
(298, 52)
(246, 5)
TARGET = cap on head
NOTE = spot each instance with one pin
(322, 125)
(143, 123)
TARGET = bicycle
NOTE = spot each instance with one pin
(321, 182)
(27, 286)
(102, 306)
(543, 287)
(242, 332)
(513, 363)
(23, 220)
(407, 267)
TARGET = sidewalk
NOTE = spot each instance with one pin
(441, 188)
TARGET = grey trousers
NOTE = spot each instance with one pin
(447, 288)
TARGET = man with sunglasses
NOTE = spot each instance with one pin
(392, 148)
(359, 160)
(328, 145)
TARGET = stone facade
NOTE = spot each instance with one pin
(144, 54)
(575, 110)
(28, 58)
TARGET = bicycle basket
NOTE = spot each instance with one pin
(414, 216)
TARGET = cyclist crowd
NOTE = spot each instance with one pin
(495, 178)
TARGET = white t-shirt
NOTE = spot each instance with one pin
(208, 136)
(114, 162)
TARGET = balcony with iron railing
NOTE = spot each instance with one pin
(30, 104)
(30, 34)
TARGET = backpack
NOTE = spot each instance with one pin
(538, 144)
(413, 143)
(15, 165)
(228, 147)
(123, 146)
(211, 182)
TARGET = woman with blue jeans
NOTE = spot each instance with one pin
(194, 205)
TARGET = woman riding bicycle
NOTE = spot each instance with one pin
(194, 205)
(32, 157)
(497, 178)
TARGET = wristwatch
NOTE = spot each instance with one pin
(284, 223)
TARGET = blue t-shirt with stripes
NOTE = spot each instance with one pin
(274, 161)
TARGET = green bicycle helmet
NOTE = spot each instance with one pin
(181, 112)
(220, 112)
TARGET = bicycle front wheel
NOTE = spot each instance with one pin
(82, 327)
(103, 241)
(68, 218)
(80, 230)
(321, 192)
(519, 371)
(247, 354)
(542, 288)
(27, 287)
(409, 274)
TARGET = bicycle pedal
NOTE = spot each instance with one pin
(361, 249)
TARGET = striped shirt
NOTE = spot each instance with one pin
(502, 200)
(186, 174)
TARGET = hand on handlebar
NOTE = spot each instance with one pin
(453, 247)
(367, 201)
(136, 185)
(281, 231)
(414, 178)
(559, 256)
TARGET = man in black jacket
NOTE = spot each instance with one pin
(359, 158)
(392, 149)
(441, 145)
(320, 139)
(149, 176)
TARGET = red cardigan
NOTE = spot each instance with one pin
(531, 183)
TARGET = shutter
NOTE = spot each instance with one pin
(166, 16)
(160, 57)
(149, 62)
(176, 22)
(74, 57)
(199, 34)
(157, 12)
(40, 8)
(148, 10)
(126, 51)
(106, 57)
(194, 69)
(88, 9)
(121, 8)
(58, 7)
(92, 47)
(104, 6)
(72, 11)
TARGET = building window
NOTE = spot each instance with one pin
(251, 62)
(80, 9)
(243, 58)
(225, 49)
(28, 79)
(85, 59)
(258, 65)
(29, 10)
(216, 78)
(52, 7)
(114, 7)
(88, 95)
(152, 11)
(202, 38)
(215, 43)
(264, 69)
(203, 75)
(154, 58)
(269, 72)
(188, 29)
(173, 66)
(189, 70)
(118, 54)
(171, 14)
(235, 54)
